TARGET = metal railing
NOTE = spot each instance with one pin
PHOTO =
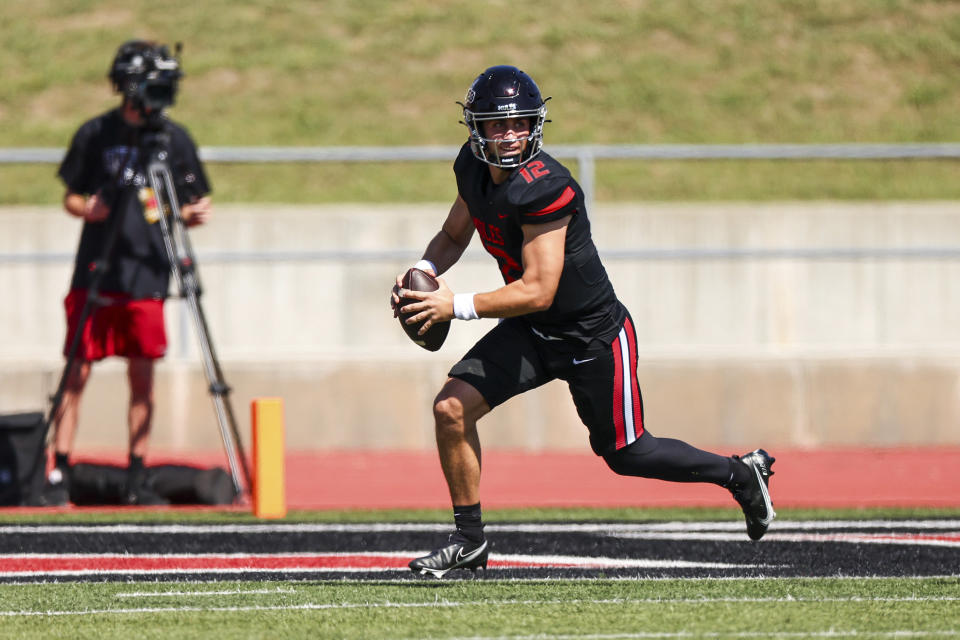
(585, 155)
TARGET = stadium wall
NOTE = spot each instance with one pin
(790, 324)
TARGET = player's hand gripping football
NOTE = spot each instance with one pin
(398, 287)
(430, 307)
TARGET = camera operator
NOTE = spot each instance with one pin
(106, 186)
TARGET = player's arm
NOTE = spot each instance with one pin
(197, 211)
(446, 247)
(453, 238)
(543, 255)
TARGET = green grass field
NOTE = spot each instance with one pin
(795, 608)
(372, 72)
(907, 607)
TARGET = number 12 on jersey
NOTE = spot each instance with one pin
(533, 170)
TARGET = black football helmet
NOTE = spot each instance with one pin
(146, 74)
(499, 92)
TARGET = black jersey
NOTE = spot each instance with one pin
(105, 156)
(585, 306)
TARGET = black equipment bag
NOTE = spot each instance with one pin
(21, 442)
(100, 484)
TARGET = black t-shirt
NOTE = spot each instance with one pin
(107, 155)
(585, 306)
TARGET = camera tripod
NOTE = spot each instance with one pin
(153, 143)
(183, 268)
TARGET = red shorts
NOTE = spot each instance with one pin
(123, 327)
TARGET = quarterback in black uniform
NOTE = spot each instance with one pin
(562, 320)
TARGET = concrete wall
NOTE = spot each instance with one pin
(734, 352)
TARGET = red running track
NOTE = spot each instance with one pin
(928, 477)
(834, 478)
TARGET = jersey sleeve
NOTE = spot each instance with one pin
(547, 199)
(189, 175)
(79, 168)
(460, 165)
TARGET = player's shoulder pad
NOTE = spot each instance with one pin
(464, 157)
(542, 187)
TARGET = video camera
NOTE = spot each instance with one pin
(147, 75)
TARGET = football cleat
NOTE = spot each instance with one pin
(753, 495)
(56, 490)
(459, 553)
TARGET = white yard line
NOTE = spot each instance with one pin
(785, 536)
(173, 594)
(593, 527)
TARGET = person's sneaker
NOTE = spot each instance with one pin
(459, 553)
(753, 495)
(56, 490)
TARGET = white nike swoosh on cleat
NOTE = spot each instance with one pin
(461, 559)
(766, 498)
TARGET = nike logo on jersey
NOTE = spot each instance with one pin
(575, 361)
(502, 215)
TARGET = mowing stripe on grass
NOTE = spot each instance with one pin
(447, 604)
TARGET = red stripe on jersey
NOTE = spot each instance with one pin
(564, 199)
(634, 385)
(618, 422)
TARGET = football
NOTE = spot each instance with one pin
(432, 340)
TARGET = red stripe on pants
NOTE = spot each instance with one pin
(618, 421)
(634, 385)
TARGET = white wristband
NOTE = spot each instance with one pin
(463, 308)
(423, 265)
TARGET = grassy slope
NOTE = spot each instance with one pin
(344, 72)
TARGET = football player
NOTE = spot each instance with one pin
(561, 320)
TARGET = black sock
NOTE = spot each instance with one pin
(469, 522)
(61, 461)
(135, 464)
(135, 472)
